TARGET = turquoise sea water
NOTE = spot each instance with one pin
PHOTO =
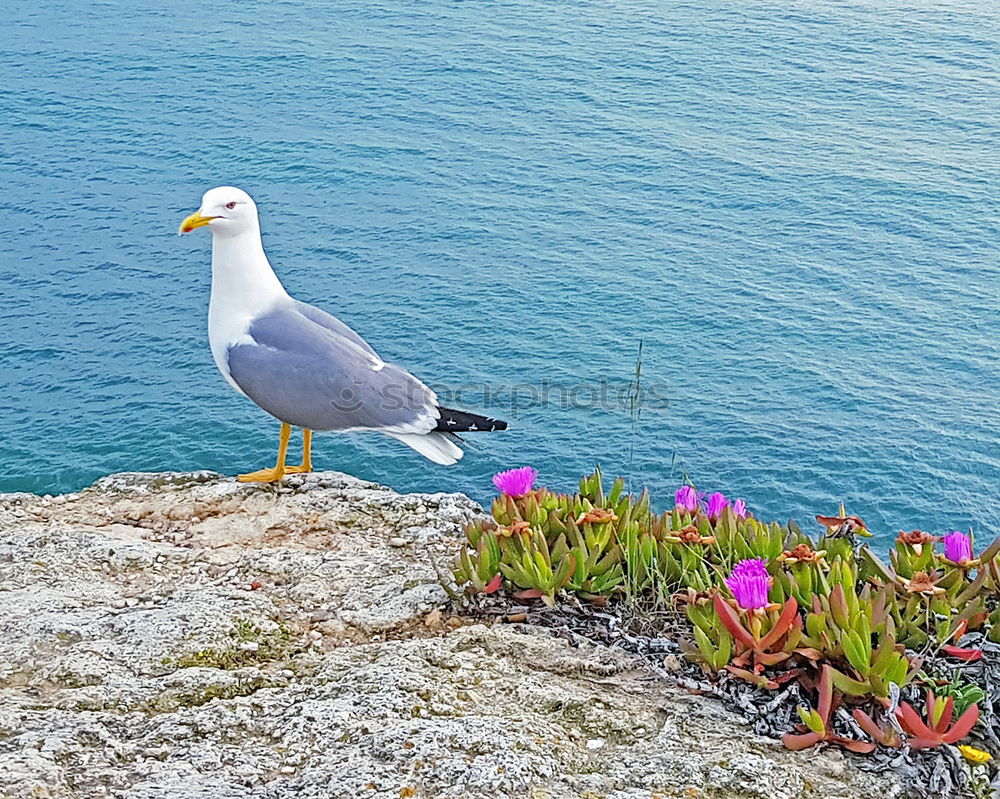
(795, 206)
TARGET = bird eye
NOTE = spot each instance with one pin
(231, 205)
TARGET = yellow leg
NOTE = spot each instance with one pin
(307, 462)
(272, 475)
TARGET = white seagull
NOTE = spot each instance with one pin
(302, 365)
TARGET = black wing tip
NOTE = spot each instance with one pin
(453, 421)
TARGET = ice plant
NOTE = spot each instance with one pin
(686, 498)
(758, 646)
(816, 728)
(801, 553)
(938, 729)
(514, 528)
(885, 735)
(750, 584)
(689, 535)
(967, 654)
(691, 597)
(916, 540)
(922, 583)
(844, 525)
(715, 505)
(770, 632)
(596, 516)
(958, 548)
(515, 482)
(767, 603)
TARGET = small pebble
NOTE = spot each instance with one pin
(433, 618)
(398, 542)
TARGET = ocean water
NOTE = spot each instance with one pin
(793, 206)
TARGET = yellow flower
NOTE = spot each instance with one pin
(974, 755)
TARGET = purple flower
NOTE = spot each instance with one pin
(740, 508)
(686, 498)
(957, 547)
(750, 583)
(515, 482)
(715, 504)
(751, 566)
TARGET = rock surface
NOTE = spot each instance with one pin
(186, 636)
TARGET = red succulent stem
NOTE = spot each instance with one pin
(782, 625)
(962, 653)
(798, 742)
(926, 737)
(732, 623)
(946, 715)
(963, 726)
(912, 722)
(825, 694)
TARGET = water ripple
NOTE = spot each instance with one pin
(793, 205)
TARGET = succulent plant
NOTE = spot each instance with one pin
(936, 727)
(815, 727)
(766, 602)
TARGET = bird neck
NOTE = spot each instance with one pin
(242, 274)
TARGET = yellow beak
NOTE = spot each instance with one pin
(193, 221)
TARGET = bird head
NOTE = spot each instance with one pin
(224, 209)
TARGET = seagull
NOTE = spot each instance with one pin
(302, 365)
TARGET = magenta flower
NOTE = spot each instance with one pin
(740, 508)
(750, 583)
(516, 482)
(686, 498)
(957, 547)
(716, 502)
(751, 566)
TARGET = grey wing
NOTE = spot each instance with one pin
(331, 323)
(327, 378)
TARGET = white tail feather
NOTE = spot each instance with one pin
(433, 446)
